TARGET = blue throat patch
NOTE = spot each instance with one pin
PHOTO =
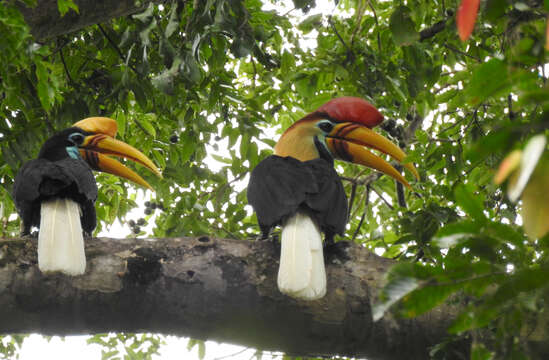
(73, 152)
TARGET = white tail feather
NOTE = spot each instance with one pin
(301, 273)
(60, 239)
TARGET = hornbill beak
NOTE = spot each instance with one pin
(349, 141)
(102, 141)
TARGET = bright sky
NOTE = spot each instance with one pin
(76, 347)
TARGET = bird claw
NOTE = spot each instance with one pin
(29, 235)
(267, 237)
(262, 237)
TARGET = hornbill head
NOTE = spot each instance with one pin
(342, 129)
(92, 139)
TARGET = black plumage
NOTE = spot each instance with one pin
(55, 174)
(281, 186)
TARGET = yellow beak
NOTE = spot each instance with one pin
(100, 162)
(101, 142)
(348, 141)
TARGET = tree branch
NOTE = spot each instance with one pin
(46, 22)
(223, 290)
(432, 30)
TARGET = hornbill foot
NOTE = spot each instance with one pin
(262, 237)
(271, 238)
(86, 234)
(29, 235)
(336, 252)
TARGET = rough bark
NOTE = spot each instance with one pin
(46, 22)
(214, 289)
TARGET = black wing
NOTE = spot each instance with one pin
(329, 204)
(41, 179)
(279, 186)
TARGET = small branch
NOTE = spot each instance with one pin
(71, 81)
(231, 355)
(352, 198)
(360, 9)
(365, 181)
(59, 47)
(222, 186)
(377, 25)
(113, 44)
(432, 30)
(410, 131)
(453, 125)
(400, 195)
(432, 139)
(456, 50)
(288, 12)
(350, 54)
(255, 71)
(444, 87)
(383, 198)
(510, 106)
(366, 203)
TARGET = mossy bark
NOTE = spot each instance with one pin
(214, 289)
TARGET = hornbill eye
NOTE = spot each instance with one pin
(76, 138)
(325, 125)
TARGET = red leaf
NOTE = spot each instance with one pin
(547, 34)
(466, 17)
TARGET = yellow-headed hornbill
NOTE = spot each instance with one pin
(299, 189)
(57, 191)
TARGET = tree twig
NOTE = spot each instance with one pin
(510, 106)
(377, 25)
(383, 198)
(352, 198)
(231, 355)
(366, 203)
(71, 81)
(116, 48)
(350, 54)
(454, 49)
(432, 30)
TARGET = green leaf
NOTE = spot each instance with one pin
(479, 352)
(201, 350)
(310, 23)
(46, 93)
(65, 5)
(470, 203)
(173, 23)
(145, 15)
(395, 290)
(147, 126)
(488, 79)
(403, 27)
(495, 9)
(426, 298)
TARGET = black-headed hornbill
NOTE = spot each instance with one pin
(299, 189)
(56, 192)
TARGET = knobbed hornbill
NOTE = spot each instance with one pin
(298, 187)
(57, 191)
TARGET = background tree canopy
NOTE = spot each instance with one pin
(197, 81)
